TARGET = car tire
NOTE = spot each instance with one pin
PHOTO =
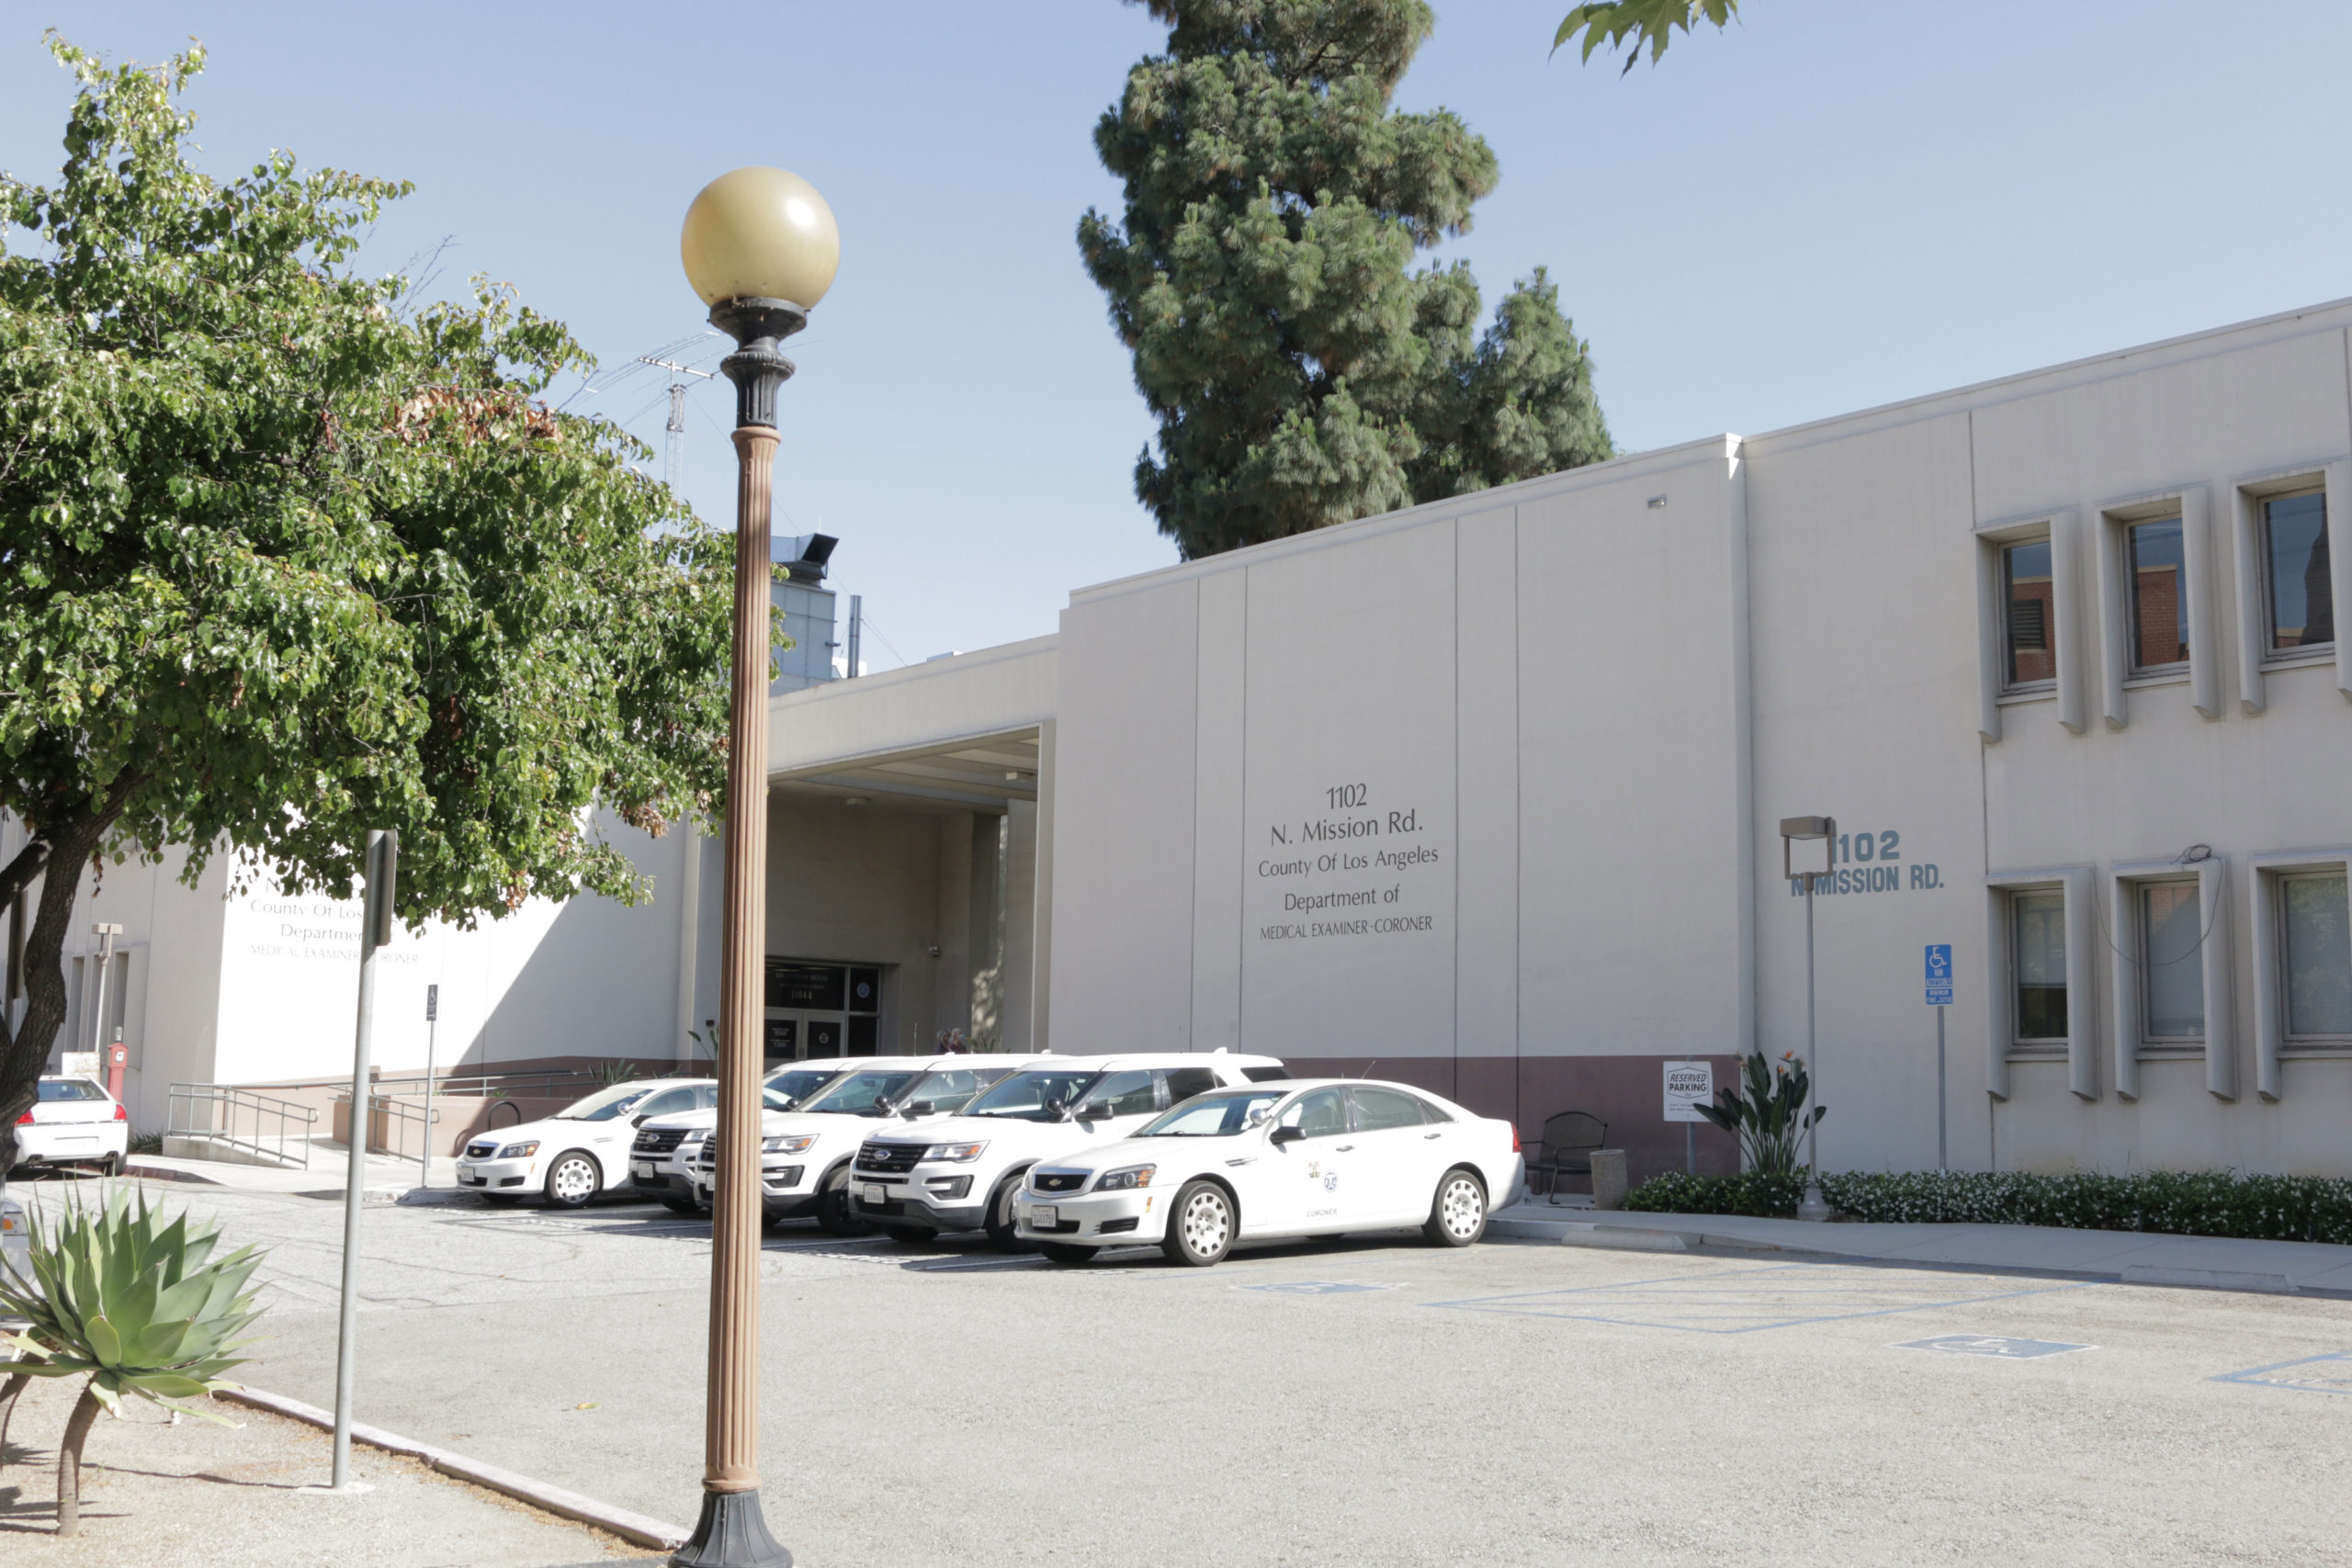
(1458, 1211)
(911, 1235)
(1201, 1224)
(678, 1205)
(1000, 1226)
(1066, 1252)
(110, 1165)
(573, 1178)
(836, 1214)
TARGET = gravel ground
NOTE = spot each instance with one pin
(191, 1495)
(1510, 1405)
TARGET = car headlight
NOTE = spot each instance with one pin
(786, 1145)
(1125, 1179)
(960, 1154)
(519, 1151)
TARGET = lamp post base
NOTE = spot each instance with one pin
(732, 1533)
(1814, 1208)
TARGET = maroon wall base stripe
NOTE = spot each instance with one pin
(1624, 1091)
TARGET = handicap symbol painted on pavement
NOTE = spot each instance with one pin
(1990, 1345)
(1317, 1288)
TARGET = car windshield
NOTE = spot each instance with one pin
(949, 1089)
(861, 1094)
(789, 1086)
(606, 1103)
(54, 1089)
(1034, 1097)
(1215, 1115)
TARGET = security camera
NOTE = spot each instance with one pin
(932, 951)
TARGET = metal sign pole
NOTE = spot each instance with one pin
(1943, 1122)
(375, 931)
(432, 1028)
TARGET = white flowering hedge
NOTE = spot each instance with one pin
(2222, 1203)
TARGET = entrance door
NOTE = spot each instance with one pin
(800, 1036)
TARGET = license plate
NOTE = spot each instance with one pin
(471, 1181)
(876, 1193)
(644, 1169)
(1042, 1214)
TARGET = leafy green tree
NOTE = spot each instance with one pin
(1610, 23)
(282, 561)
(1301, 373)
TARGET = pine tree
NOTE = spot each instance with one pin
(1302, 373)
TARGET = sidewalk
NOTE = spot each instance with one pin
(384, 1179)
(2135, 1257)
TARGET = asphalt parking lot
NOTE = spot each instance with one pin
(1356, 1403)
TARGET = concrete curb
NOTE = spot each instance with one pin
(1629, 1238)
(631, 1527)
(134, 1166)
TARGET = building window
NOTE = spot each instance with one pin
(2171, 962)
(2039, 922)
(2159, 594)
(2301, 600)
(2316, 953)
(2030, 614)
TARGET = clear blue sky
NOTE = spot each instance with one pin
(1838, 203)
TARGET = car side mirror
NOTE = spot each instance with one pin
(920, 1108)
(1286, 1134)
(640, 1120)
(1094, 1110)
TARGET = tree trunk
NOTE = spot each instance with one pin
(68, 1462)
(71, 838)
(16, 1386)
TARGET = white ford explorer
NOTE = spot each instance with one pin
(805, 1151)
(662, 1156)
(961, 1173)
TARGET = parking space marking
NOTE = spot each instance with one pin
(1746, 1300)
(1994, 1346)
(2331, 1373)
(1315, 1287)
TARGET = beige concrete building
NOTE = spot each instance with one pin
(1485, 794)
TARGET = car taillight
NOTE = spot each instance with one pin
(25, 1120)
(120, 1114)
(1514, 1140)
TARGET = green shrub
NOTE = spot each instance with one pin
(2199, 1202)
(1762, 1193)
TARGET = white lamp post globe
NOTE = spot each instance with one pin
(762, 234)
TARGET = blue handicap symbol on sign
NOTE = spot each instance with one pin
(1940, 974)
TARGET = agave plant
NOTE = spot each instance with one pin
(136, 1306)
(1770, 1116)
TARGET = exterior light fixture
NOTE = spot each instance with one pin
(760, 246)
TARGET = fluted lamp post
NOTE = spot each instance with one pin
(760, 246)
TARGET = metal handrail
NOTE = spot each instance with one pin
(213, 1111)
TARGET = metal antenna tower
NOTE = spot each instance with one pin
(674, 465)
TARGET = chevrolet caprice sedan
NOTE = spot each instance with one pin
(1311, 1157)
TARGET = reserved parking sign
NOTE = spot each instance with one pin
(1688, 1084)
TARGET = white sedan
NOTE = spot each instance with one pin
(1316, 1158)
(73, 1121)
(570, 1156)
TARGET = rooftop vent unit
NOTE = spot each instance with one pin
(803, 555)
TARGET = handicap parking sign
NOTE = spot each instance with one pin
(1940, 974)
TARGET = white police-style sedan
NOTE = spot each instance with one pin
(569, 1158)
(1311, 1157)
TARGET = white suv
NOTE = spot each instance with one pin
(662, 1156)
(961, 1173)
(805, 1153)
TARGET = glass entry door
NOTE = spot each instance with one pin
(820, 1009)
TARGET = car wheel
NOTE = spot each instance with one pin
(1200, 1224)
(1066, 1252)
(1458, 1213)
(573, 1179)
(911, 1235)
(834, 1214)
(1000, 1224)
(678, 1205)
(110, 1165)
